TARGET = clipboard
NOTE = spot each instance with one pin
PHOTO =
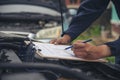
(51, 51)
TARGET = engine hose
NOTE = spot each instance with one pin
(65, 71)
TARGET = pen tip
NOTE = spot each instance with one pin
(65, 49)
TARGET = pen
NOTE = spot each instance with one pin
(83, 42)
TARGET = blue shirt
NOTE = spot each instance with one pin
(87, 13)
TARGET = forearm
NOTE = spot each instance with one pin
(88, 12)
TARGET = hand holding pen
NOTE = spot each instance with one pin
(90, 51)
(82, 42)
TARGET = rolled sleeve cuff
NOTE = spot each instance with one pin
(114, 47)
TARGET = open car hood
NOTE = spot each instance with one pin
(29, 15)
(53, 4)
(31, 9)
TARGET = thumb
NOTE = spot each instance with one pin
(79, 45)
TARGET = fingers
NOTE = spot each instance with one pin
(52, 41)
(78, 44)
(59, 41)
(56, 41)
(63, 40)
(81, 54)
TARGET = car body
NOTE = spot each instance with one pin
(23, 22)
(29, 16)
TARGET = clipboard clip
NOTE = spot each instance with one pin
(39, 49)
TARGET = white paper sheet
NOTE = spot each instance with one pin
(54, 50)
(58, 51)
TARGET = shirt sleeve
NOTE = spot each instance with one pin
(114, 47)
(88, 12)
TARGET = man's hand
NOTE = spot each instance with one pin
(63, 40)
(89, 51)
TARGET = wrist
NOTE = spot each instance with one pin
(105, 50)
(67, 38)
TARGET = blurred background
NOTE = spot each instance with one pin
(44, 20)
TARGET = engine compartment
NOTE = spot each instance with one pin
(19, 60)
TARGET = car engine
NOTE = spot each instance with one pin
(19, 60)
